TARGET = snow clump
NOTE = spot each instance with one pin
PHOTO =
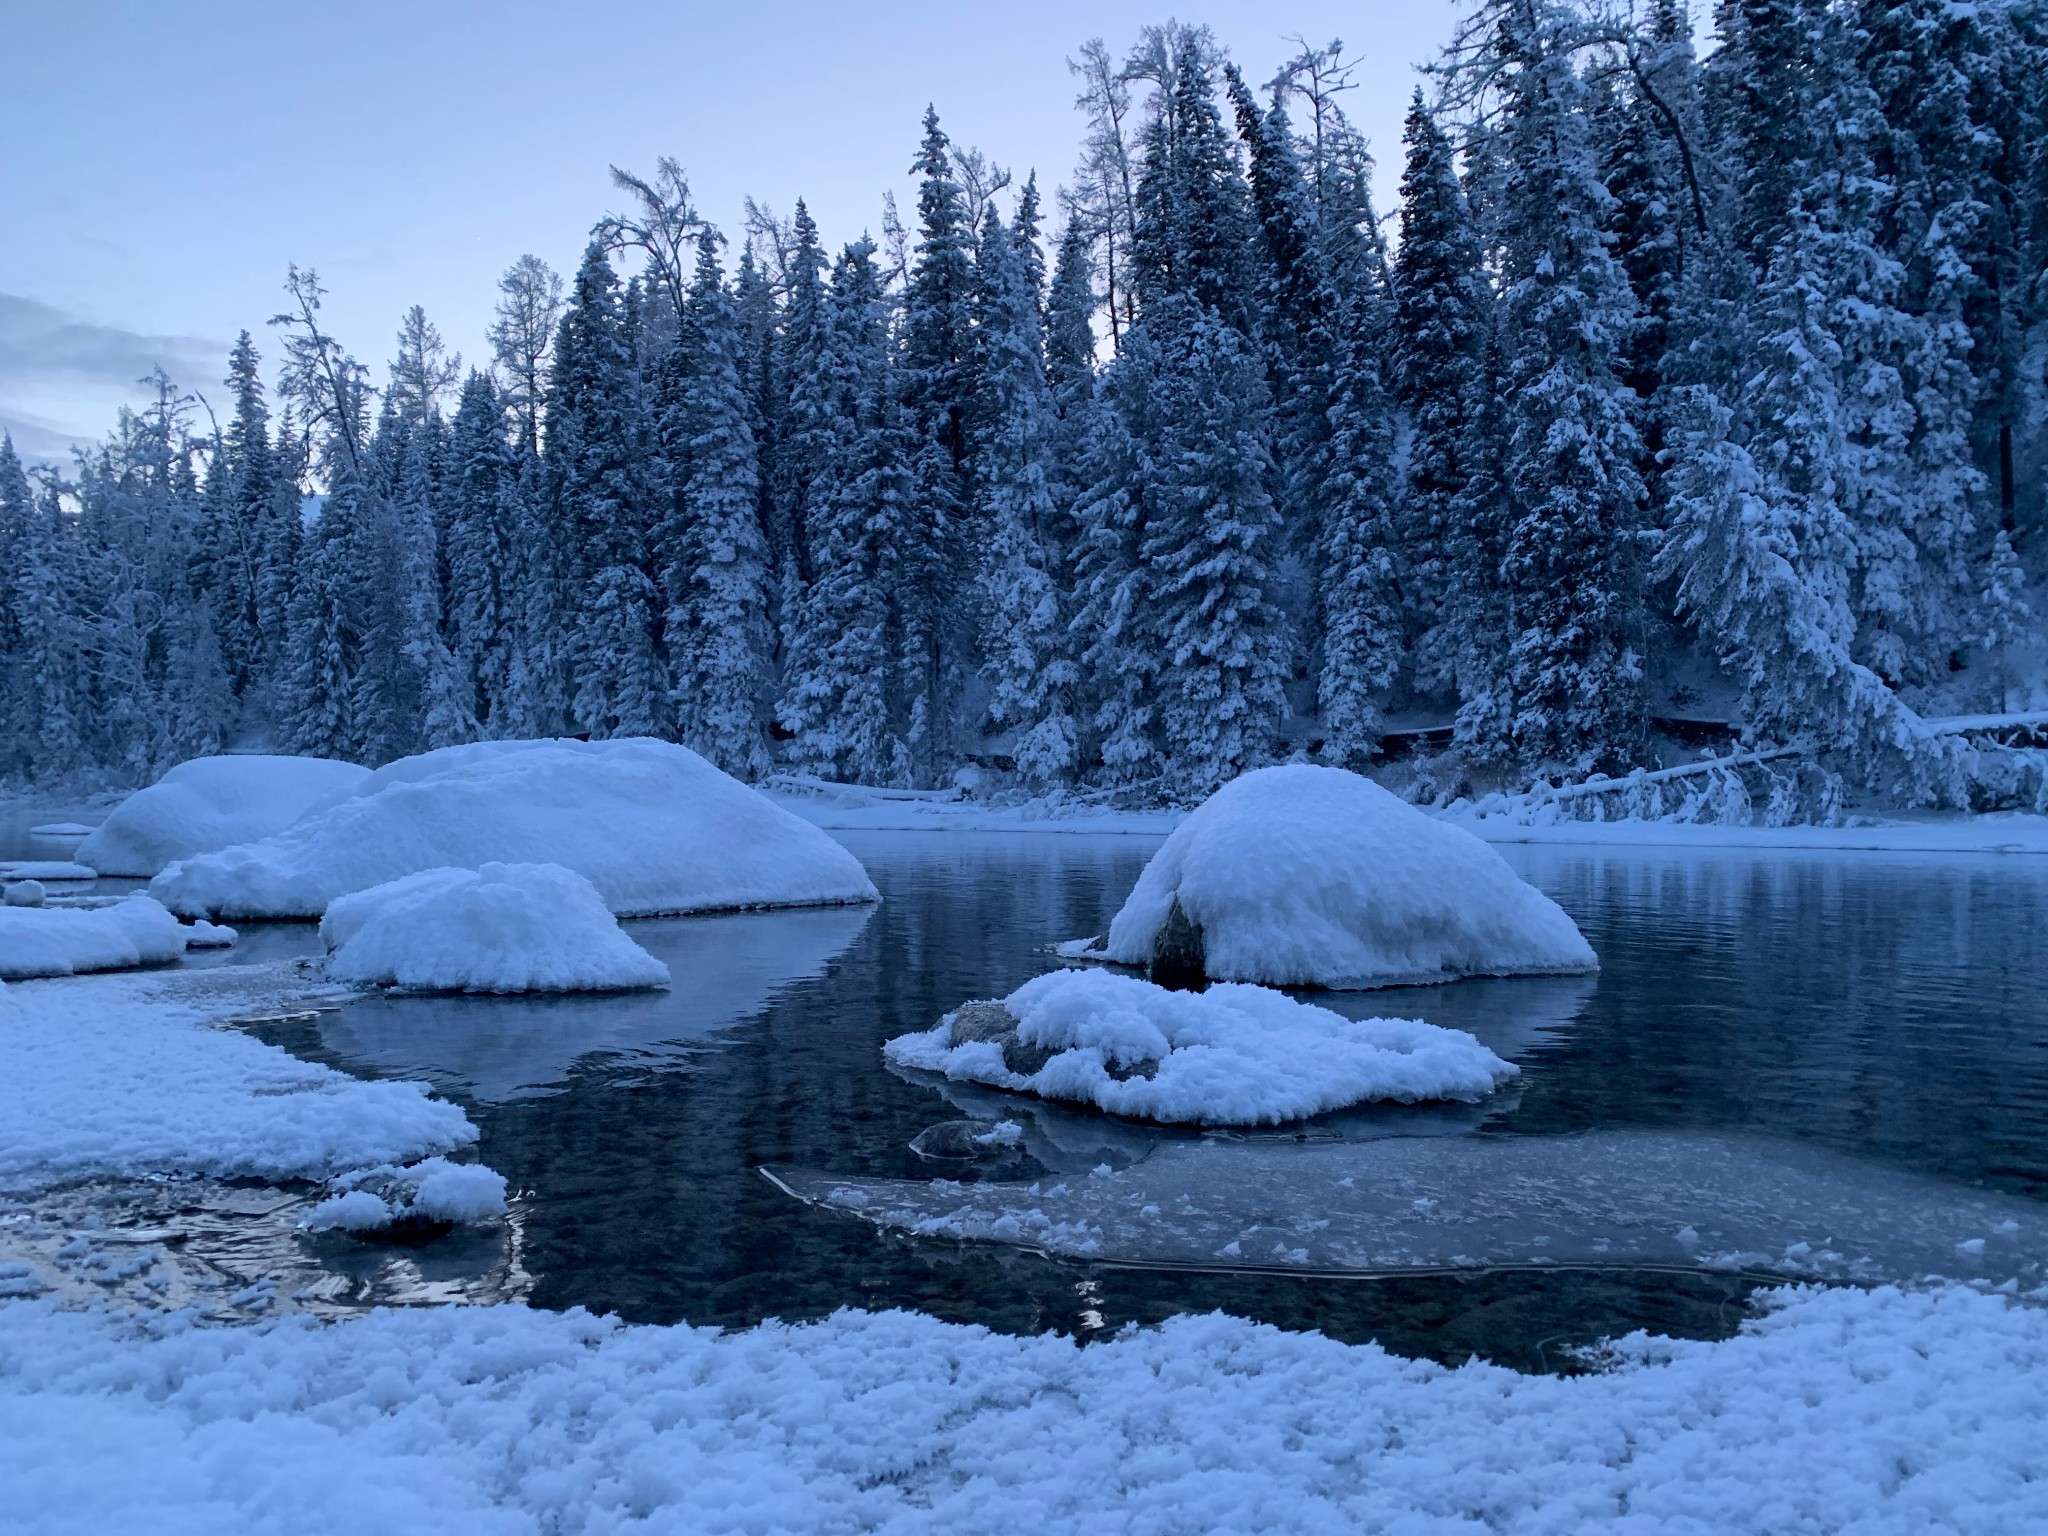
(436, 1190)
(1305, 876)
(63, 941)
(212, 803)
(1233, 1055)
(502, 928)
(653, 826)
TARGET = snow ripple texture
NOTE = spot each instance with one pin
(1233, 1055)
(211, 803)
(1306, 876)
(1874, 1412)
(102, 1075)
(653, 826)
(503, 928)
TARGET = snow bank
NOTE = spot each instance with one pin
(1234, 1055)
(372, 1199)
(653, 826)
(1304, 876)
(46, 869)
(1876, 1412)
(211, 803)
(503, 928)
(120, 1075)
(62, 941)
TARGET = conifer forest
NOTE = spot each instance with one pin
(1694, 389)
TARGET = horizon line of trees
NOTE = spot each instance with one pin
(1681, 384)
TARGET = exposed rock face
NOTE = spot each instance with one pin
(992, 1021)
(1177, 953)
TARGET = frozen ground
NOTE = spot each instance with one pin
(1873, 1412)
(852, 808)
(1233, 1055)
(120, 1075)
(653, 826)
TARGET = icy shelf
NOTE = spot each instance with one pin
(1624, 1199)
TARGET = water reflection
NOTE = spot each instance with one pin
(725, 969)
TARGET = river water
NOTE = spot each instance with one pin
(1892, 1010)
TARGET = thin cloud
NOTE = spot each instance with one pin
(41, 345)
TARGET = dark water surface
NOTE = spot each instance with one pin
(1893, 1008)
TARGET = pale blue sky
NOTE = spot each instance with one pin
(164, 162)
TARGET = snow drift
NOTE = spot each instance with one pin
(1234, 1055)
(63, 941)
(432, 1191)
(1304, 876)
(212, 803)
(653, 826)
(503, 928)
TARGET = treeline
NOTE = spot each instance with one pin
(1675, 385)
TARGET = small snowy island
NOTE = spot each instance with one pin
(1300, 876)
(1233, 1055)
(503, 928)
(653, 826)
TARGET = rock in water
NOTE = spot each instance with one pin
(1306, 876)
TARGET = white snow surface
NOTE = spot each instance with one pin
(433, 1189)
(1306, 876)
(502, 928)
(120, 1074)
(653, 826)
(1875, 1412)
(46, 869)
(63, 941)
(1233, 1055)
(212, 803)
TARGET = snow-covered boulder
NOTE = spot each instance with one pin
(502, 928)
(1305, 876)
(211, 803)
(431, 1193)
(63, 941)
(653, 826)
(1233, 1055)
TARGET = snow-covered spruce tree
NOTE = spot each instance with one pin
(1439, 330)
(480, 551)
(841, 677)
(1571, 679)
(709, 543)
(1024, 639)
(45, 703)
(598, 456)
(800, 417)
(522, 340)
(932, 560)
(237, 540)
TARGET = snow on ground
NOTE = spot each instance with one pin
(1875, 1412)
(61, 829)
(503, 928)
(1998, 833)
(863, 808)
(1233, 1055)
(211, 803)
(63, 941)
(120, 1075)
(1304, 876)
(653, 826)
(45, 869)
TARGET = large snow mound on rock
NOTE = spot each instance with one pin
(1305, 876)
(212, 803)
(63, 941)
(653, 826)
(503, 928)
(1233, 1055)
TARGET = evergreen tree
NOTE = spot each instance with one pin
(598, 437)
(714, 570)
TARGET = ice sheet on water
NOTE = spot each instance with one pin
(726, 968)
(1611, 1199)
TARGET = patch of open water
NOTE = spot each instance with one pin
(1892, 1010)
